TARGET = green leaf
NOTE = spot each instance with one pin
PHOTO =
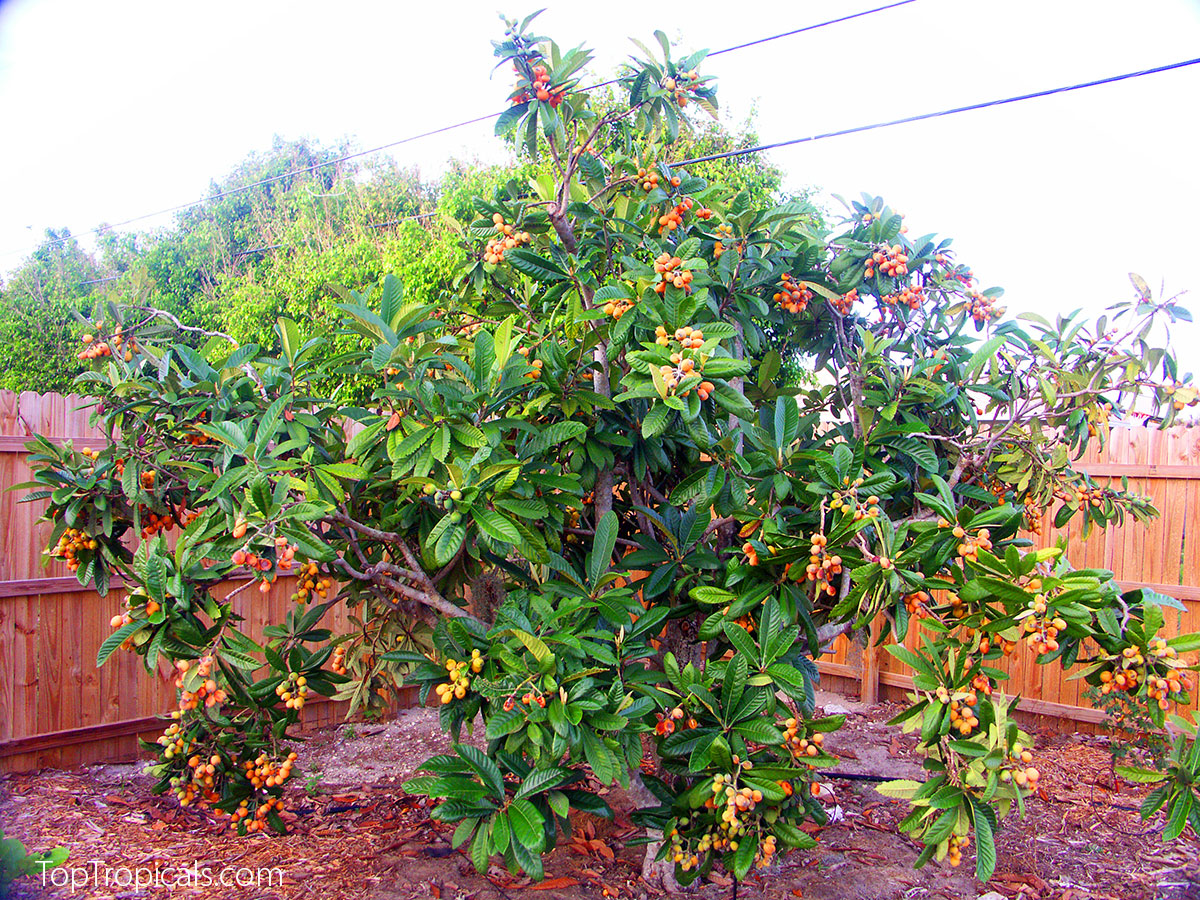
(497, 526)
(1177, 813)
(743, 858)
(529, 263)
(528, 825)
(1140, 776)
(656, 420)
(602, 547)
(509, 119)
(541, 780)
(115, 640)
(289, 338)
(556, 434)
(484, 768)
(602, 760)
(481, 850)
(980, 357)
(759, 731)
(985, 841)
(900, 789)
(533, 644)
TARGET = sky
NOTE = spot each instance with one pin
(117, 109)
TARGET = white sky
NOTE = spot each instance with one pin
(115, 109)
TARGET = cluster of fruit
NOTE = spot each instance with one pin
(792, 295)
(964, 715)
(94, 348)
(258, 823)
(969, 546)
(70, 543)
(1161, 687)
(195, 438)
(139, 600)
(917, 604)
(1041, 629)
(1032, 515)
(130, 345)
(206, 691)
(527, 699)
(982, 307)
(498, 246)
(670, 271)
(617, 308)
(892, 261)
(958, 843)
(154, 523)
(680, 854)
(798, 745)
(283, 562)
(337, 662)
(1185, 394)
(666, 724)
(648, 178)
(910, 296)
(310, 584)
(458, 677)
(845, 303)
(671, 220)
(683, 368)
(445, 498)
(751, 553)
(541, 87)
(174, 741)
(1019, 770)
(822, 566)
(980, 683)
(724, 233)
(847, 498)
(689, 338)
(535, 366)
(682, 82)
(293, 691)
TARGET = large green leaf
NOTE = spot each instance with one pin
(529, 263)
(528, 825)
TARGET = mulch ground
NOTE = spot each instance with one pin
(354, 834)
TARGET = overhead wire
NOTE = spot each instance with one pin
(919, 117)
(425, 134)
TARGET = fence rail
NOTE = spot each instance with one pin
(57, 708)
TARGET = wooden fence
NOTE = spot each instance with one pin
(57, 708)
(1162, 465)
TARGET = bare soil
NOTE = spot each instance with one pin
(355, 834)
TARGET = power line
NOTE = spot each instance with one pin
(857, 15)
(944, 112)
(416, 137)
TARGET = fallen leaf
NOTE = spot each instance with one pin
(550, 884)
(796, 892)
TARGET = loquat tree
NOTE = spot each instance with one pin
(591, 513)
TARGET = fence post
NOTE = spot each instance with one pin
(870, 665)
